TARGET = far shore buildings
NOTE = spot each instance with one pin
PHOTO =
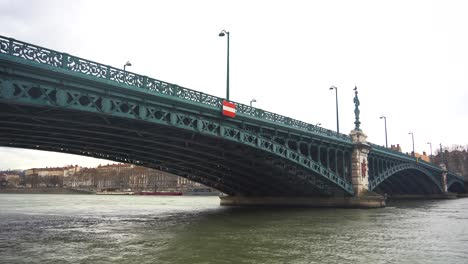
(136, 178)
(423, 156)
(10, 179)
(106, 177)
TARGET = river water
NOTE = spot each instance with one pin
(45, 228)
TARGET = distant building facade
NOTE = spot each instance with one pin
(127, 177)
(49, 177)
(423, 156)
(112, 176)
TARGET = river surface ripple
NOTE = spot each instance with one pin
(45, 228)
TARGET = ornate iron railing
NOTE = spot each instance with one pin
(404, 156)
(30, 52)
(455, 177)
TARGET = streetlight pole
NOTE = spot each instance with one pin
(252, 101)
(412, 137)
(385, 119)
(336, 94)
(127, 64)
(224, 32)
(318, 124)
(430, 145)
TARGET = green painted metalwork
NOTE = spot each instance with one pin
(454, 179)
(401, 167)
(87, 68)
(32, 76)
(141, 108)
(384, 163)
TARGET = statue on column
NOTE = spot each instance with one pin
(356, 109)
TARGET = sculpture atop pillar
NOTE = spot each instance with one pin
(356, 110)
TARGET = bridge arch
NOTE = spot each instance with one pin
(134, 127)
(455, 183)
(406, 178)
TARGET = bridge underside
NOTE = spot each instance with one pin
(411, 181)
(230, 167)
(457, 187)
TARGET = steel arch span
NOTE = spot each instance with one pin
(50, 108)
(406, 178)
(455, 183)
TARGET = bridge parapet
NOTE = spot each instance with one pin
(90, 69)
(401, 156)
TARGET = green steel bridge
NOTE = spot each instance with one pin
(55, 101)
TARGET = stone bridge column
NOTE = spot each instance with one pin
(359, 163)
(444, 178)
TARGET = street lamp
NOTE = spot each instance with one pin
(252, 101)
(385, 119)
(318, 124)
(221, 34)
(337, 122)
(127, 64)
(430, 145)
(412, 137)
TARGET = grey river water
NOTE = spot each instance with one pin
(44, 228)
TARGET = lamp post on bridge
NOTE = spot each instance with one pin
(412, 137)
(252, 101)
(318, 124)
(385, 119)
(222, 34)
(127, 64)
(430, 145)
(336, 95)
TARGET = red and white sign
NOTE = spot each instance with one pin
(229, 109)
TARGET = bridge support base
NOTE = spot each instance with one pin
(331, 202)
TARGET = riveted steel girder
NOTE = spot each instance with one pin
(72, 98)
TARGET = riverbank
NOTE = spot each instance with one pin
(45, 190)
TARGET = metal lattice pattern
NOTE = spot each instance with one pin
(401, 167)
(453, 178)
(29, 52)
(23, 92)
(378, 150)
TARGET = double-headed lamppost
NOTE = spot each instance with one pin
(221, 34)
(412, 137)
(385, 119)
(252, 101)
(337, 122)
(127, 64)
(430, 145)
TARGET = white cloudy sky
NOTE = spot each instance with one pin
(409, 59)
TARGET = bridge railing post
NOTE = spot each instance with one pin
(10, 46)
(65, 60)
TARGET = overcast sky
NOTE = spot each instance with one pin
(409, 59)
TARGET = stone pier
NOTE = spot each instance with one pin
(362, 198)
(369, 201)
